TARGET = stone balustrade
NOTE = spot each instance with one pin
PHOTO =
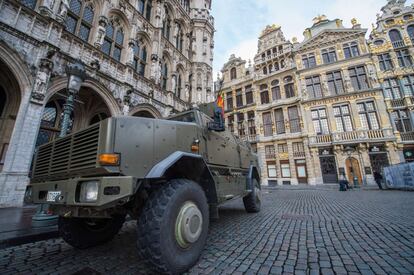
(352, 137)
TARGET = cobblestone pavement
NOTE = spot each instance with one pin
(298, 231)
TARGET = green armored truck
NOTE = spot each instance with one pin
(170, 175)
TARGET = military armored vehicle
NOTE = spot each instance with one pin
(170, 175)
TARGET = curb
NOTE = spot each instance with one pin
(30, 238)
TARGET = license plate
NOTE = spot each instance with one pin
(52, 195)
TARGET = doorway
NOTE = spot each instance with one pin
(328, 168)
(301, 171)
(353, 171)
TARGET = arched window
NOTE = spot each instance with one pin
(276, 94)
(3, 99)
(396, 39)
(144, 7)
(264, 94)
(179, 86)
(270, 68)
(140, 59)
(410, 30)
(277, 66)
(179, 39)
(113, 42)
(80, 19)
(233, 73)
(164, 75)
(29, 3)
(98, 117)
(166, 25)
(264, 70)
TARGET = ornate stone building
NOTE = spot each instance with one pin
(321, 105)
(143, 58)
(392, 46)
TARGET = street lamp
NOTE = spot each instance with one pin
(77, 74)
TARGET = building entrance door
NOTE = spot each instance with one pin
(378, 161)
(301, 173)
(353, 171)
(328, 168)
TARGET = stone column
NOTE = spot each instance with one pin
(316, 166)
(14, 177)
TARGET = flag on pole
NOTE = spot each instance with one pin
(220, 102)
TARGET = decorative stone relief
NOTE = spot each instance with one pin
(42, 79)
(100, 32)
(63, 11)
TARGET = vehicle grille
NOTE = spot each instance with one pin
(68, 155)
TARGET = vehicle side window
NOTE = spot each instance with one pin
(205, 120)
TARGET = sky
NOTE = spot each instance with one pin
(239, 23)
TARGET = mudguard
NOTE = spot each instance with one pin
(189, 166)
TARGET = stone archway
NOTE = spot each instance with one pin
(143, 114)
(145, 110)
(10, 97)
(90, 108)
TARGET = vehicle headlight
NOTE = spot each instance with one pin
(89, 191)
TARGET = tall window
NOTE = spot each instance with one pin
(385, 62)
(113, 42)
(164, 75)
(270, 152)
(276, 90)
(140, 59)
(402, 120)
(179, 85)
(351, 50)
(276, 65)
(229, 99)
(320, 121)
(396, 39)
(359, 78)
(289, 87)
(239, 98)
(404, 58)
(166, 25)
(80, 18)
(267, 124)
(145, 8)
(29, 3)
(343, 118)
(282, 148)
(285, 169)
(410, 31)
(264, 94)
(179, 40)
(298, 148)
(392, 88)
(309, 60)
(271, 169)
(368, 115)
(251, 123)
(280, 121)
(408, 83)
(313, 86)
(233, 73)
(240, 125)
(230, 123)
(294, 120)
(335, 83)
(249, 95)
(329, 55)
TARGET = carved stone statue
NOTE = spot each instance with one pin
(176, 29)
(187, 92)
(48, 4)
(131, 53)
(173, 83)
(63, 9)
(100, 35)
(40, 84)
(159, 16)
(153, 73)
(372, 74)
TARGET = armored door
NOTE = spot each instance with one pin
(328, 168)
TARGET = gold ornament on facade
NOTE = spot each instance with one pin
(284, 156)
(354, 21)
(318, 19)
(269, 29)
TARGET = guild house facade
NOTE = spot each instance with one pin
(146, 58)
(334, 103)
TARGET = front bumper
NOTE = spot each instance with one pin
(70, 189)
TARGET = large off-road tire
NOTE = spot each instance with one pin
(253, 201)
(83, 233)
(173, 226)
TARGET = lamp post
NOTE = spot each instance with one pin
(77, 74)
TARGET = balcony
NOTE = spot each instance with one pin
(398, 44)
(395, 103)
(249, 138)
(299, 154)
(353, 137)
(407, 136)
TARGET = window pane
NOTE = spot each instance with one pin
(75, 6)
(71, 24)
(88, 14)
(29, 3)
(285, 168)
(374, 121)
(110, 31)
(84, 32)
(364, 121)
(120, 37)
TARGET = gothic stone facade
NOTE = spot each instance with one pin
(143, 58)
(333, 104)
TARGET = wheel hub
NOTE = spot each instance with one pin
(188, 225)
